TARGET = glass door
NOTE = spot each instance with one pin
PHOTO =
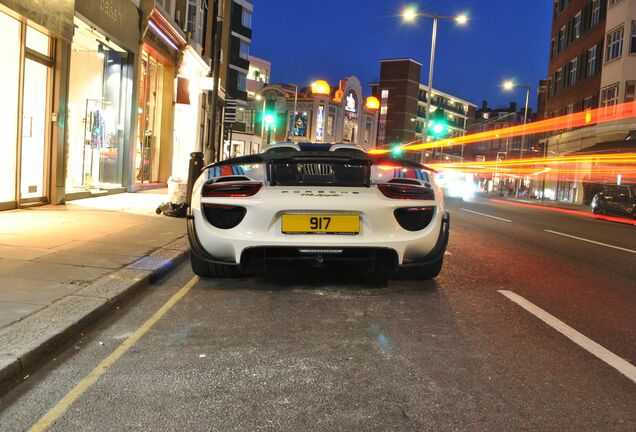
(35, 131)
(10, 32)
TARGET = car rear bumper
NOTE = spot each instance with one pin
(404, 252)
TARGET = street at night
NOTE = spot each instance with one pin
(245, 215)
(324, 351)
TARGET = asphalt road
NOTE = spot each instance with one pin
(320, 351)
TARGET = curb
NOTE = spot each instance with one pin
(27, 344)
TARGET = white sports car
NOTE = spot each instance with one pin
(318, 204)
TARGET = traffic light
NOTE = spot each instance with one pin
(269, 116)
(438, 125)
(397, 150)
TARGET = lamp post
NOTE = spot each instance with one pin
(497, 171)
(409, 15)
(509, 86)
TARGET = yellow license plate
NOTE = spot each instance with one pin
(320, 224)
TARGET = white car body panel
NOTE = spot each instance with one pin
(262, 223)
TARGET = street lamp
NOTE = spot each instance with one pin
(410, 15)
(509, 86)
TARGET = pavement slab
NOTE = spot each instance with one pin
(97, 258)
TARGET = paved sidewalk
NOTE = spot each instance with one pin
(61, 264)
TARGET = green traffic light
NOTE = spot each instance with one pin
(438, 129)
(397, 150)
(269, 120)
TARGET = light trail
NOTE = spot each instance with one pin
(570, 121)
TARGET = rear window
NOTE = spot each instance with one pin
(319, 173)
(383, 174)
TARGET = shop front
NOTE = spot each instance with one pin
(27, 92)
(155, 101)
(190, 111)
(100, 101)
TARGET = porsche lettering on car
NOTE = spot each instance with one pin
(321, 205)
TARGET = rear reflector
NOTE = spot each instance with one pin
(232, 190)
(404, 191)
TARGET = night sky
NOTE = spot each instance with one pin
(310, 39)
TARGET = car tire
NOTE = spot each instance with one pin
(423, 272)
(206, 269)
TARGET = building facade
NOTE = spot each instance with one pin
(319, 113)
(35, 49)
(603, 76)
(576, 56)
(403, 101)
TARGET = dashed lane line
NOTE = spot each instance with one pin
(90, 379)
(486, 215)
(621, 365)
(591, 241)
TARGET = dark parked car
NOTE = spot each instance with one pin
(618, 199)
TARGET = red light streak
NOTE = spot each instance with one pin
(583, 118)
(567, 211)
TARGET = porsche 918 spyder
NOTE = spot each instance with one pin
(318, 204)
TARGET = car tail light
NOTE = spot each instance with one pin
(223, 216)
(414, 218)
(232, 190)
(404, 191)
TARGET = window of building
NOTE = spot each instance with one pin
(246, 20)
(630, 91)
(555, 12)
(167, 5)
(574, 63)
(562, 33)
(596, 13)
(385, 94)
(553, 48)
(588, 103)
(576, 33)
(591, 61)
(609, 95)
(194, 19)
(244, 51)
(383, 110)
(330, 121)
(632, 47)
(241, 83)
(558, 80)
(614, 44)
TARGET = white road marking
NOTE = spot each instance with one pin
(487, 215)
(591, 241)
(621, 365)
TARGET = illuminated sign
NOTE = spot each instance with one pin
(351, 105)
(320, 122)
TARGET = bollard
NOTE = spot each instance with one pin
(194, 171)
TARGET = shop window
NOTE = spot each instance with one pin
(99, 94)
(614, 44)
(38, 42)
(299, 124)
